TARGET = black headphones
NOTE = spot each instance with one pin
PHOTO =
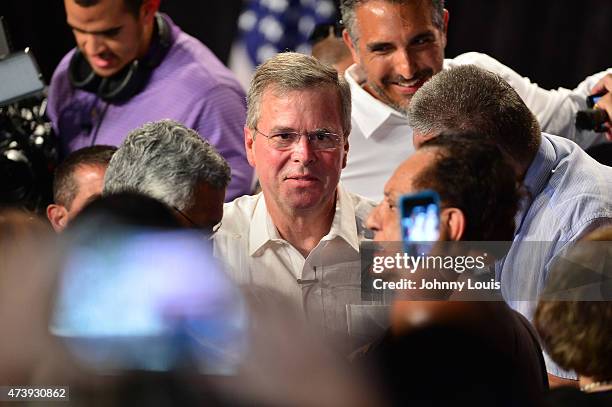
(127, 82)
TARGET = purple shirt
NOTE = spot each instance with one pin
(190, 86)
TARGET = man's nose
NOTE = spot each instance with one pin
(303, 151)
(92, 44)
(373, 220)
(405, 64)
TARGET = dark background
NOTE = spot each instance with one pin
(553, 42)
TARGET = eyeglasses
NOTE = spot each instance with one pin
(194, 225)
(318, 139)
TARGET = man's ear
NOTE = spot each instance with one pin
(58, 216)
(452, 224)
(249, 145)
(148, 9)
(446, 18)
(351, 46)
(419, 139)
(346, 151)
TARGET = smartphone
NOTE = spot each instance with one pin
(593, 99)
(420, 219)
(20, 77)
(148, 300)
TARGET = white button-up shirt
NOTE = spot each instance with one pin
(323, 283)
(380, 140)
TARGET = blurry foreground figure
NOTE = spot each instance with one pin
(574, 319)
(137, 292)
(27, 274)
(141, 305)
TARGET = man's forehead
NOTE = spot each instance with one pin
(278, 104)
(280, 92)
(401, 182)
(86, 170)
(97, 17)
(409, 10)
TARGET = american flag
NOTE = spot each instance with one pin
(268, 27)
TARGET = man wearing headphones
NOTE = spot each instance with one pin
(133, 65)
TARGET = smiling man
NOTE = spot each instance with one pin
(299, 237)
(132, 66)
(398, 45)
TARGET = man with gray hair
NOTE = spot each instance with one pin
(300, 236)
(568, 193)
(397, 46)
(167, 161)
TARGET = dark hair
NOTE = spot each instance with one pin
(132, 6)
(127, 209)
(412, 378)
(347, 7)
(473, 175)
(471, 99)
(325, 30)
(64, 185)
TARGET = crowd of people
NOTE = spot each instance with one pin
(207, 245)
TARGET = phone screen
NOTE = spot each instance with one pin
(420, 217)
(140, 299)
(20, 77)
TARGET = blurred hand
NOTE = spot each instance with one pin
(605, 103)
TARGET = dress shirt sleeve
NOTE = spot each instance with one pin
(555, 109)
(221, 119)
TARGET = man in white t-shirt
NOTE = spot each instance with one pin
(399, 46)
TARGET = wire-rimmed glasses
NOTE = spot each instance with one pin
(319, 140)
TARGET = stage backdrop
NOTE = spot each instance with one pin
(553, 42)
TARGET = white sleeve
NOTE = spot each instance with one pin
(555, 109)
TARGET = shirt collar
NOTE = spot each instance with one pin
(369, 113)
(263, 231)
(537, 176)
(541, 167)
(344, 224)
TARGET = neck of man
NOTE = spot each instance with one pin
(147, 39)
(302, 228)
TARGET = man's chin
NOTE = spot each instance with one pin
(400, 107)
(399, 103)
(306, 200)
(105, 72)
